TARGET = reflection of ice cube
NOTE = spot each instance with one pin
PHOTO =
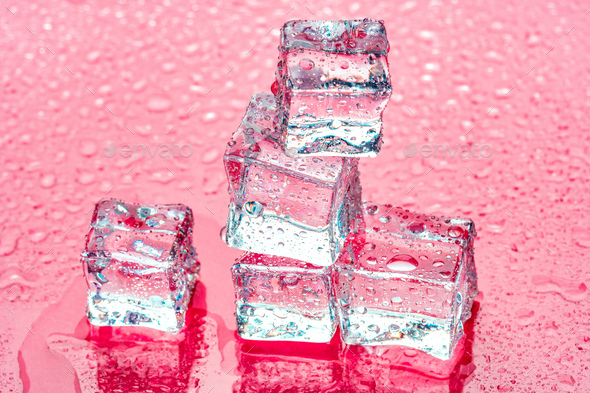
(283, 367)
(398, 368)
(140, 265)
(294, 207)
(123, 359)
(407, 279)
(333, 85)
(280, 298)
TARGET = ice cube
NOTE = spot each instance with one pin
(294, 207)
(140, 265)
(140, 359)
(407, 279)
(285, 299)
(333, 84)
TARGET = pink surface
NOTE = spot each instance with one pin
(82, 79)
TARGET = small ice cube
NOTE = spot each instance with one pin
(140, 265)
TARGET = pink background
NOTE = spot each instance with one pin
(77, 76)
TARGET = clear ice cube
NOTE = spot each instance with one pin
(281, 367)
(406, 279)
(285, 299)
(140, 265)
(333, 84)
(293, 207)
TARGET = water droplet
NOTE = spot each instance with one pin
(255, 148)
(416, 227)
(369, 247)
(274, 88)
(306, 64)
(210, 156)
(121, 209)
(438, 263)
(372, 209)
(566, 379)
(159, 103)
(402, 263)
(253, 208)
(372, 260)
(88, 148)
(385, 219)
(146, 249)
(291, 280)
(209, 117)
(335, 124)
(48, 181)
(156, 221)
(101, 278)
(93, 57)
(573, 291)
(455, 231)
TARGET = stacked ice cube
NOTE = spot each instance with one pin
(333, 84)
(399, 278)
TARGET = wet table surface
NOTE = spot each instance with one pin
(489, 120)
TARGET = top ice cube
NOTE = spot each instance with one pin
(333, 84)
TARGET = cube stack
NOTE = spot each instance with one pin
(400, 278)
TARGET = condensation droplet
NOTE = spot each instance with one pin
(402, 263)
(306, 64)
